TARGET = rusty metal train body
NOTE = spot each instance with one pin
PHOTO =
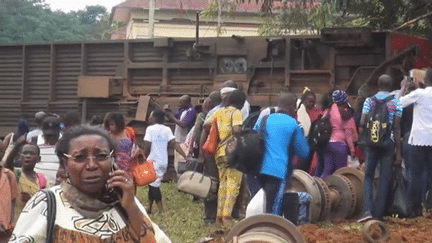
(134, 76)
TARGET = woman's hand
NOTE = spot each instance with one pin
(124, 182)
(137, 151)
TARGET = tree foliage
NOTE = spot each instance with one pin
(373, 14)
(34, 21)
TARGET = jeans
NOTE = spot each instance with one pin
(422, 161)
(384, 157)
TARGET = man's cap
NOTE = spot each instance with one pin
(50, 122)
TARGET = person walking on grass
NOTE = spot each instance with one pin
(156, 141)
(229, 121)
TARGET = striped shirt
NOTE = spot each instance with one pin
(394, 106)
(49, 163)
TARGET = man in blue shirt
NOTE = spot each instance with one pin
(283, 139)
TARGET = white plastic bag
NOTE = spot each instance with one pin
(257, 205)
(353, 162)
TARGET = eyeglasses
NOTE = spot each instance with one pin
(81, 158)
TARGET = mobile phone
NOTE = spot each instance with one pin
(116, 190)
(408, 78)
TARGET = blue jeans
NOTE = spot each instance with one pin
(422, 161)
(383, 156)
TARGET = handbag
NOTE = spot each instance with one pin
(197, 184)
(211, 144)
(248, 152)
(143, 171)
(51, 214)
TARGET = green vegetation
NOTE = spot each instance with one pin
(301, 17)
(34, 21)
(182, 220)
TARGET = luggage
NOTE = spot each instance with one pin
(248, 153)
(197, 184)
(296, 207)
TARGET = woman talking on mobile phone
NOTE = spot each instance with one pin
(94, 204)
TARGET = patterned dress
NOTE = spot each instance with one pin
(72, 227)
(229, 179)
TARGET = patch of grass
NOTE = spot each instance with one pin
(182, 220)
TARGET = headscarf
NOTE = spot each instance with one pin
(339, 97)
(23, 128)
(225, 91)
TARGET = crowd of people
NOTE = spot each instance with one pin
(88, 168)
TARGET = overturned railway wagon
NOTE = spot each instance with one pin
(135, 76)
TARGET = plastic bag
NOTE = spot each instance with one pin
(257, 205)
(399, 203)
(353, 162)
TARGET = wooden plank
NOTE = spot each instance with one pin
(143, 104)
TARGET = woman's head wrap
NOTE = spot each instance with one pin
(339, 97)
(226, 91)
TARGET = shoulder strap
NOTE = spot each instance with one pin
(262, 125)
(34, 140)
(51, 215)
(388, 98)
(18, 174)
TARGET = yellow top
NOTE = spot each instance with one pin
(227, 118)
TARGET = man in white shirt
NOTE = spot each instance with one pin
(38, 131)
(47, 141)
(421, 141)
(156, 141)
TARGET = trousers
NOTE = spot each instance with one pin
(384, 157)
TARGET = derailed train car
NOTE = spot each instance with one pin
(135, 76)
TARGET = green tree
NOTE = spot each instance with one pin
(34, 21)
(373, 14)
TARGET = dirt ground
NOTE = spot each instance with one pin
(417, 230)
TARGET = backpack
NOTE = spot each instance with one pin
(251, 120)
(249, 150)
(320, 132)
(377, 130)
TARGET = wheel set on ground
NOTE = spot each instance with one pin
(338, 196)
(265, 228)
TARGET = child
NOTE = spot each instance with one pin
(8, 193)
(29, 182)
(156, 141)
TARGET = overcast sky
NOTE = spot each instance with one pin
(67, 6)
